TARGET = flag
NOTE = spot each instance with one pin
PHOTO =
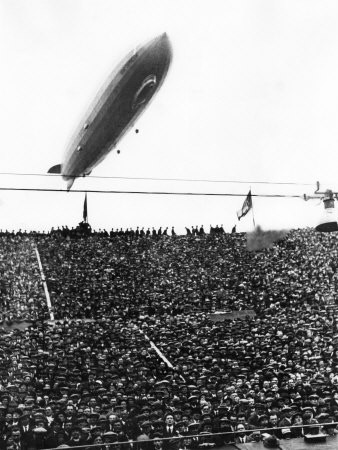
(247, 205)
(85, 213)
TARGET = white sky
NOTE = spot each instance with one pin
(252, 94)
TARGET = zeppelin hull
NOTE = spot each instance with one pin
(127, 94)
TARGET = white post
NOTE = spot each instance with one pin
(157, 350)
(49, 305)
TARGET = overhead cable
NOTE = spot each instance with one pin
(162, 179)
(104, 191)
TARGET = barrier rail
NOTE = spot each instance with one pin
(139, 443)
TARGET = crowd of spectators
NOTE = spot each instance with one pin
(84, 229)
(94, 375)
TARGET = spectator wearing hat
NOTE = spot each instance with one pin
(157, 443)
(255, 436)
(285, 417)
(308, 419)
(8, 423)
(93, 432)
(26, 427)
(185, 424)
(97, 441)
(226, 428)
(190, 441)
(39, 433)
(296, 422)
(109, 437)
(7, 442)
(55, 439)
(142, 442)
(263, 421)
(68, 427)
(331, 428)
(19, 442)
(76, 437)
(270, 441)
(121, 435)
(60, 417)
(205, 438)
(333, 408)
(93, 419)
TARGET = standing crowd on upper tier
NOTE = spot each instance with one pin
(93, 376)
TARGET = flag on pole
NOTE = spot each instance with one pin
(85, 212)
(247, 205)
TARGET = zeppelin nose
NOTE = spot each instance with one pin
(164, 39)
(163, 44)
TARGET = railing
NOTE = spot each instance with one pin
(314, 429)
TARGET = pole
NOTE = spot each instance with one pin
(157, 350)
(85, 210)
(253, 215)
(49, 305)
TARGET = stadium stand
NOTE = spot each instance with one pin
(121, 301)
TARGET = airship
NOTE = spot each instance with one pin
(119, 103)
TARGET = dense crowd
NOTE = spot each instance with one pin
(94, 375)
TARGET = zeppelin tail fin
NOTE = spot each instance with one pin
(55, 169)
(70, 183)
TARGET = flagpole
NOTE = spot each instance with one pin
(253, 215)
(85, 210)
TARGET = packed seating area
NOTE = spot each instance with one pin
(94, 376)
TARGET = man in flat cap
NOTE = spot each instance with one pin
(76, 437)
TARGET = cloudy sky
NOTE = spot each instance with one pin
(251, 96)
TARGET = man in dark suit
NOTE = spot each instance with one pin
(53, 436)
(241, 436)
(170, 430)
(26, 427)
(19, 442)
(26, 424)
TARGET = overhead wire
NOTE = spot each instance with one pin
(106, 191)
(162, 179)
